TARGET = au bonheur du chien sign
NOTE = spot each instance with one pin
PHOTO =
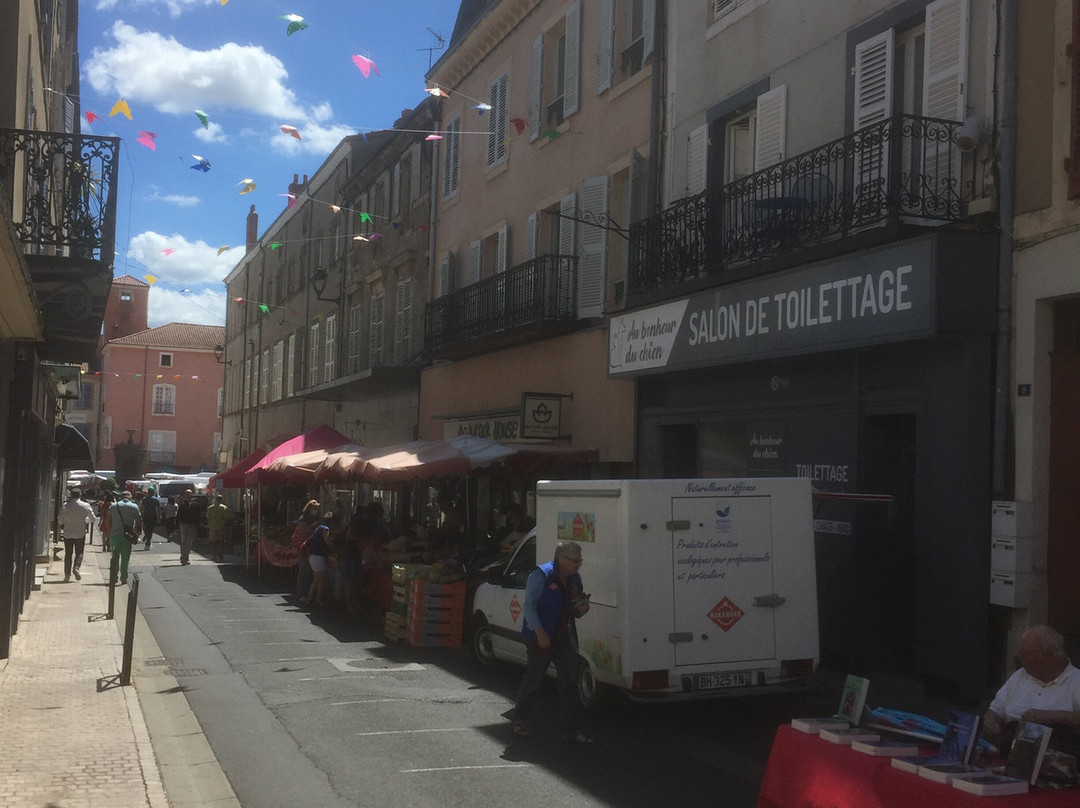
(870, 298)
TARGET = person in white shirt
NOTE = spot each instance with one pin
(1045, 690)
(75, 516)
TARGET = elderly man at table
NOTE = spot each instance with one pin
(1045, 689)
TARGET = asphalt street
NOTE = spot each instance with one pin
(304, 708)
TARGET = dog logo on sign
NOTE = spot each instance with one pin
(725, 614)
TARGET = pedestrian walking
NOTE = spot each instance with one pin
(187, 517)
(218, 517)
(125, 527)
(74, 518)
(105, 522)
(170, 519)
(151, 511)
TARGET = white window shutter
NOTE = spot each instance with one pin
(572, 59)
(313, 356)
(605, 44)
(873, 79)
(593, 257)
(945, 83)
(531, 227)
(403, 321)
(446, 278)
(566, 224)
(770, 138)
(375, 335)
(721, 7)
(353, 358)
(697, 160)
(501, 250)
(648, 27)
(536, 89)
(635, 194)
(472, 271)
(497, 95)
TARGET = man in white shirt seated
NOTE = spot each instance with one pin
(1046, 690)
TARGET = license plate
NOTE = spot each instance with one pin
(714, 681)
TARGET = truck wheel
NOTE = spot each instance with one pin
(480, 642)
(590, 691)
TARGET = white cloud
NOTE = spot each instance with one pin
(175, 199)
(190, 264)
(147, 67)
(317, 139)
(166, 305)
(175, 7)
(213, 133)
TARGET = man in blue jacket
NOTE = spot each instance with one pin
(553, 600)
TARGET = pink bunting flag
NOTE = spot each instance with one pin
(519, 124)
(433, 136)
(365, 65)
(291, 130)
(92, 116)
(168, 251)
(437, 92)
(147, 139)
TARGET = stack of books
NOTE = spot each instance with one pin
(848, 714)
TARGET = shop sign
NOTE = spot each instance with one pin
(541, 415)
(504, 427)
(866, 299)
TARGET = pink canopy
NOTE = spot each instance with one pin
(459, 455)
(321, 437)
(233, 477)
(301, 468)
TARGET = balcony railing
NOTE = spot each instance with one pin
(62, 191)
(538, 291)
(906, 169)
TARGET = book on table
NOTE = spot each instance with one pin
(957, 744)
(845, 736)
(991, 785)
(1027, 751)
(886, 748)
(949, 772)
(848, 712)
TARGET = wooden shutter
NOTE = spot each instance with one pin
(697, 160)
(403, 321)
(375, 331)
(416, 158)
(566, 224)
(531, 226)
(572, 60)
(635, 194)
(770, 136)
(353, 363)
(473, 269)
(313, 355)
(536, 89)
(452, 156)
(593, 257)
(873, 80)
(946, 56)
(605, 44)
(446, 277)
(648, 28)
(497, 92)
(395, 190)
(501, 250)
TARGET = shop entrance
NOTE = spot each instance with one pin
(1063, 526)
(887, 540)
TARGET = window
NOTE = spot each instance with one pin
(290, 371)
(452, 156)
(497, 93)
(313, 355)
(164, 399)
(161, 446)
(375, 331)
(264, 377)
(592, 261)
(165, 360)
(625, 43)
(85, 401)
(275, 373)
(125, 297)
(556, 59)
(403, 322)
(722, 7)
(446, 274)
(353, 357)
(247, 382)
(330, 354)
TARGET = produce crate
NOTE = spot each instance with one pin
(450, 613)
(395, 628)
(401, 573)
(419, 588)
(444, 636)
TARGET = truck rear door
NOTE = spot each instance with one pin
(722, 552)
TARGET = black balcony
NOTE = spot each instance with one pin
(61, 189)
(859, 189)
(502, 309)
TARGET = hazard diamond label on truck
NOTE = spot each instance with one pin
(515, 608)
(725, 614)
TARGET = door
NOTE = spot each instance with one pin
(1063, 528)
(722, 554)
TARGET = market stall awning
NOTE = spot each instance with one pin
(459, 455)
(301, 468)
(72, 450)
(233, 477)
(321, 437)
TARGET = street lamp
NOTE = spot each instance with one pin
(219, 355)
(318, 282)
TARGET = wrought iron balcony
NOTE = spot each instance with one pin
(536, 292)
(62, 190)
(904, 170)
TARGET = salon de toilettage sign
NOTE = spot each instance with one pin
(870, 298)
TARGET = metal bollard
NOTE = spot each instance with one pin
(114, 570)
(129, 630)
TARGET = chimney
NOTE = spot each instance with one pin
(252, 229)
(295, 189)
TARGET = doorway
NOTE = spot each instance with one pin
(1063, 524)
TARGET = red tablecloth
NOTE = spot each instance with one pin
(806, 772)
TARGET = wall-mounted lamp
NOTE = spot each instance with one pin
(968, 135)
(219, 355)
(318, 282)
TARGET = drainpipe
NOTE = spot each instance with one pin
(1007, 167)
(656, 112)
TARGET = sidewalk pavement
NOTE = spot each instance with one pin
(73, 737)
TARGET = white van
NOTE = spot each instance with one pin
(699, 587)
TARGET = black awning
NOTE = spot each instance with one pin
(72, 450)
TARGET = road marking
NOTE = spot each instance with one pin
(413, 731)
(271, 630)
(345, 665)
(463, 768)
(253, 619)
(362, 701)
(409, 666)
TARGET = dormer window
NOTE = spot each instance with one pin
(125, 297)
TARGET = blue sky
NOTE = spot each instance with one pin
(235, 62)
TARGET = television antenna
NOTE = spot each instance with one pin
(441, 44)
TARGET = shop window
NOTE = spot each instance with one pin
(85, 401)
(164, 399)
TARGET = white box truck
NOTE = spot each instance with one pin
(699, 587)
